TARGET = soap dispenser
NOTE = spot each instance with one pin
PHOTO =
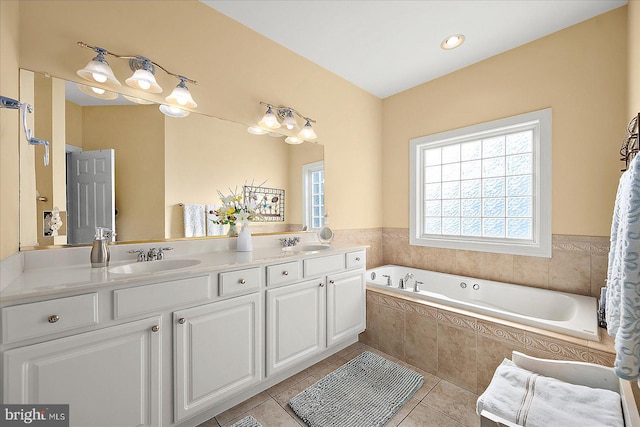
(100, 251)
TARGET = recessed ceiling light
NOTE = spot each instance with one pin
(452, 42)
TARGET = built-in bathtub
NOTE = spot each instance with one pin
(569, 314)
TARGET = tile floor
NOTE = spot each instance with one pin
(438, 403)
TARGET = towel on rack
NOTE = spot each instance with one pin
(213, 229)
(526, 398)
(194, 220)
(623, 275)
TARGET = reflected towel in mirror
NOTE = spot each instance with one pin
(213, 229)
(194, 220)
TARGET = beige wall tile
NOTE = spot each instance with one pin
(599, 264)
(491, 353)
(421, 341)
(485, 265)
(371, 334)
(457, 355)
(570, 272)
(391, 331)
(561, 349)
(531, 271)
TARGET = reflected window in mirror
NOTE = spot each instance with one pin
(313, 195)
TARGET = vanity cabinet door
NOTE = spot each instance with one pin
(111, 377)
(295, 323)
(346, 308)
(218, 352)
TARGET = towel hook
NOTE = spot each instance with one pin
(28, 133)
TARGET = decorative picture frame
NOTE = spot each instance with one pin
(269, 202)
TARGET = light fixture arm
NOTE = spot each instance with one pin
(136, 59)
(279, 108)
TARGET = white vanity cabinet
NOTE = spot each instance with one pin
(295, 323)
(346, 312)
(109, 377)
(175, 350)
(218, 351)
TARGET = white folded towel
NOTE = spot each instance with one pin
(194, 220)
(213, 229)
(533, 400)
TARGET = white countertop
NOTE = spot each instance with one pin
(50, 280)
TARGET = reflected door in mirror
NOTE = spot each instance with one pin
(90, 186)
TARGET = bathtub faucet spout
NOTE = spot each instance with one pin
(407, 277)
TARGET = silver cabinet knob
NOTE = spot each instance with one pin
(155, 328)
(332, 282)
(182, 320)
(322, 285)
(242, 281)
(358, 259)
(285, 273)
(53, 318)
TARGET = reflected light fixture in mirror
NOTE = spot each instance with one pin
(97, 92)
(143, 78)
(270, 122)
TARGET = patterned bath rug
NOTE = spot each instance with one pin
(247, 421)
(367, 391)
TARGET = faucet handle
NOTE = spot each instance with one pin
(161, 252)
(416, 286)
(388, 279)
(142, 256)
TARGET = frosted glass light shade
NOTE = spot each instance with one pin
(97, 92)
(144, 80)
(269, 120)
(256, 130)
(99, 71)
(293, 140)
(181, 96)
(137, 100)
(173, 111)
(289, 121)
(307, 133)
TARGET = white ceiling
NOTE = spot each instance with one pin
(386, 47)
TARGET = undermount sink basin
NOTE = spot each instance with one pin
(153, 266)
(306, 248)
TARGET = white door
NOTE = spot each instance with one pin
(295, 323)
(110, 377)
(219, 351)
(346, 308)
(90, 194)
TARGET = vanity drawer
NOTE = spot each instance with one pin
(320, 266)
(283, 274)
(49, 317)
(150, 298)
(356, 259)
(239, 282)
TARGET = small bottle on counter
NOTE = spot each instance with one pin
(100, 251)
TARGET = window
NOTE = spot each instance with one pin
(485, 187)
(313, 195)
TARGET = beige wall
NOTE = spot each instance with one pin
(578, 72)
(633, 49)
(233, 78)
(139, 161)
(9, 164)
(205, 154)
(73, 124)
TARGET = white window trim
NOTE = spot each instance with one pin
(540, 246)
(306, 198)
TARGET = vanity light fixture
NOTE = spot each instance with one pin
(452, 42)
(271, 121)
(143, 78)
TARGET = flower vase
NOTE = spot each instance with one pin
(244, 240)
(233, 231)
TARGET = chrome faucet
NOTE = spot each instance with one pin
(161, 253)
(152, 254)
(388, 279)
(142, 255)
(287, 242)
(407, 277)
(416, 286)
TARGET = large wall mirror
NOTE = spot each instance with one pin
(157, 164)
